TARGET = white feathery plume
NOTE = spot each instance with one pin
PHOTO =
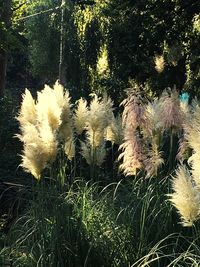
(69, 148)
(81, 116)
(99, 115)
(186, 196)
(40, 123)
(132, 153)
(151, 125)
(114, 132)
(153, 161)
(93, 156)
(47, 108)
(27, 112)
(40, 148)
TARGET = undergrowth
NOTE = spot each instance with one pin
(129, 223)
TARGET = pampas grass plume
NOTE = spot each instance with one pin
(114, 132)
(170, 111)
(93, 157)
(27, 112)
(131, 153)
(192, 136)
(100, 112)
(47, 108)
(159, 63)
(99, 117)
(81, 115)
(186, 197)
(40, 124)
(69, 148)
(151, 123)
(153, 161)
(40, 148)
(134, 110)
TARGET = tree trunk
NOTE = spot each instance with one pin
(62, 45)
(5, 17)
(3, 65)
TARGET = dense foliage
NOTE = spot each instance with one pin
(107, 43)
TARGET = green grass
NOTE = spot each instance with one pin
(129, 223)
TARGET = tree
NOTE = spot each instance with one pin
(141, 30)
(5, 23)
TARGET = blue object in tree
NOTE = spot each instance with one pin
(184, 97)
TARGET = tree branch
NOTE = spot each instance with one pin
(18, 7)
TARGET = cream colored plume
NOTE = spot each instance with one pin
(99, 116)
(114, 131)
(192, 135)
(131, 153)
(81, 116)
(66, 131)
(47, 108)
(69, 148)
(40, 148)
(66, 115)
(193, 139)
(182, 149)
(186, 197)
(100, 112)
(159, 63)
(151, 124)
(27, 112)
(41, 124)
(93, 156)
(153, 161)
(53, 105)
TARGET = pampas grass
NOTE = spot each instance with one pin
(186, 197)
(133, 117)
(153, 161)
(93, 156)
(27, 112)
(142, 130)
(159, 62)
(81, 115)
(151, 122)
(192, 136)
(41, 123)
(114, 132)
(99, 117)
(51, 120)
(69, 148)
(40, 148)
(47, 108)
(170, 111)
(152, 118)
(134, 110)
(132, 153)
(130, 222)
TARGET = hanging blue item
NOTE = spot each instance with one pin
(184, 97)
